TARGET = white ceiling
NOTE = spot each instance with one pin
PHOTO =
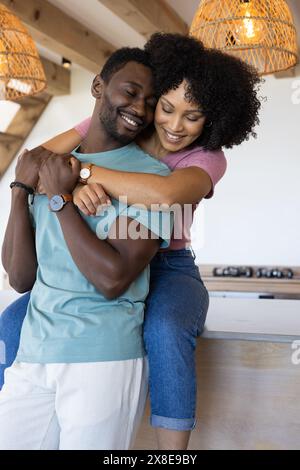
(102, 21)
(99, 19)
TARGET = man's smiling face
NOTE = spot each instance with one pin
(128, 102)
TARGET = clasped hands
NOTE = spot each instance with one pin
(49, 173)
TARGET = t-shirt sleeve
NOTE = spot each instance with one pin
(83, 127)
(160, 223)
(213, 162)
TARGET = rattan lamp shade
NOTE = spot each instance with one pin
(260, 32)
(21, 71)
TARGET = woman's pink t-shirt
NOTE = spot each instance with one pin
(213, 162)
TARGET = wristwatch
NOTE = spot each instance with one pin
(58, 201)
(85, 173)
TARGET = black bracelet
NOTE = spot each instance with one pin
(28, 189)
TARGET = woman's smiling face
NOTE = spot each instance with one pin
(178, 122)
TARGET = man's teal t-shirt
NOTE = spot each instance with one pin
(67, 319)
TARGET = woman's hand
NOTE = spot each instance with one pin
(90, 198)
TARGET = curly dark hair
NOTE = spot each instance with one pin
(121, 57)
(225, 87)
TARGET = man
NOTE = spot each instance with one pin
(80, 377)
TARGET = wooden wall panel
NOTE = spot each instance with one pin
(248, 398)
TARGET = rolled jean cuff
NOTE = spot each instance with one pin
(174, 424)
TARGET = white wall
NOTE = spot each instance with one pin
(61, 114)
(254, 216)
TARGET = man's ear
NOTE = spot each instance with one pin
(97, 87)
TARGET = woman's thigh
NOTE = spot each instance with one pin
(177, 296)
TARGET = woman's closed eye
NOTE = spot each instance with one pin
(193, 118)
(189, 118)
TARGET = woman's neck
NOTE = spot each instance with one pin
(150, 143)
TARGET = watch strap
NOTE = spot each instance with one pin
(67, 197)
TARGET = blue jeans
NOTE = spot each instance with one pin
(11, 322)
(175, 314)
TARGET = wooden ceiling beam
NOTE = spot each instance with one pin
(34, 100)
(55, 30)
(147, 16)
(58, 78)
(6, 137)
(17, 132)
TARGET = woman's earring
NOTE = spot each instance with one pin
(209, 125)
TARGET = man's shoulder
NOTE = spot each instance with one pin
(146, 161)
(128, 158)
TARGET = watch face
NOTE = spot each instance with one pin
(56, 203)
(85, 173)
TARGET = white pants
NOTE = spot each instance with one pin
(96, 405)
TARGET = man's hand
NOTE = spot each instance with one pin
(59, 174)
(39, 188)
(28, 165)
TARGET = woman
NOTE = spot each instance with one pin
(207, 100)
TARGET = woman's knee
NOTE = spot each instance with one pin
(165, 333)
(170, 321)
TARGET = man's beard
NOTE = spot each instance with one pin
(109, 119)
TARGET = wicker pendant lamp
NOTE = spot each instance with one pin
(21, 71)
(260, 32)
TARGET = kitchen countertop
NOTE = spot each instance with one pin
(275, 320)
(251, 319)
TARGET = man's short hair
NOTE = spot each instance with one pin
(120, 58)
